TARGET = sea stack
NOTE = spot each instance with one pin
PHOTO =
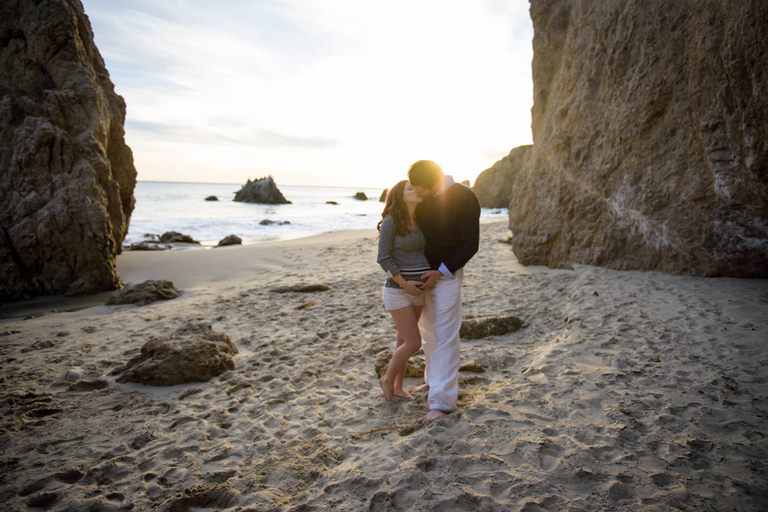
(650, 138)
(263, 190)
(66, 174)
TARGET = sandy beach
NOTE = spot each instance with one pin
(624, 391)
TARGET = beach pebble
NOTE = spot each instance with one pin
(73, 375)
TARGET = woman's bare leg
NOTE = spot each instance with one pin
(406, 322)
(399, 391)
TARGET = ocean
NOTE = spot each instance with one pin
(182, 207)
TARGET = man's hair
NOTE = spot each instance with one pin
(424, 173)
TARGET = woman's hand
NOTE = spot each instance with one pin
(411, 288)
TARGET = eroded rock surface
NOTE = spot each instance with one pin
(494, 185)
(66, 174)
(650, 131)
(263, 190)
(194, 353)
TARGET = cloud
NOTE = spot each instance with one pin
(291, 78)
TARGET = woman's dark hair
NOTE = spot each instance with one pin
(424, 173)
(395, 208)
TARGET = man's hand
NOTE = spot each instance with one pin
(412, 288)
(430, 279)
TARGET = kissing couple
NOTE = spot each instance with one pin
(429, 229)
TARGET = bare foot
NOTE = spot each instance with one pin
(403, 394)
(421, 389)
(387, 388)
(431, 416)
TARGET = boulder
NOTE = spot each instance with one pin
(383, 196)
(174, 237)
(144, 293)
(472, 329)
(267, 222)
(66, 174)
(650, 138)
(194, 353)
(494, 185)
(263, 190)
(211, 198)
(230, 240)
(361, 196)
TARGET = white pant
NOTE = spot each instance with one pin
(439, 325)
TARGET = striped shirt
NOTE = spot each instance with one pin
(401, 254)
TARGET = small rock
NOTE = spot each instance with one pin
(174, 237)
(301, 288)
(73, 375)
(147, 245)
(144, 293)
(331, 202)
(89, 385)
(383, 196)
(230, 240)
(267, 222)
(361, 196)
(471, 367)
(211, 198)
(494, 326)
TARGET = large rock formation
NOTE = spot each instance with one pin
(650, 131)
(494, 185)
(262, 190)
(66, 175)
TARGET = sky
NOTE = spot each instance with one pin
(317, 92)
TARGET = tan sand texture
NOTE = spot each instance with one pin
(625, 391)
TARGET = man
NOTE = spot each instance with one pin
(449, 218)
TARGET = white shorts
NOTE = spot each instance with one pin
(397, 298)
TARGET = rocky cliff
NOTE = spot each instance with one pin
(494, 185)
(650, 130)
(66, 175)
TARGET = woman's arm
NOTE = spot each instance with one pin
(386, 241)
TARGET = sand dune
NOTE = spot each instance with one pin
(625, 391)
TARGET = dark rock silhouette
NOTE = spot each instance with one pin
(493, 186)
(383, 196)
(331, 202)
(650, 138)
(66, 174)
(194, 353)
(145, 293)
(263, 190)
(174, 237)
(268, 222)
(211, 198)
(230, 240)
(361, 196)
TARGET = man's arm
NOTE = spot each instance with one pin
(469, 229)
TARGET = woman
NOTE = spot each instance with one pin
(401, 255)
